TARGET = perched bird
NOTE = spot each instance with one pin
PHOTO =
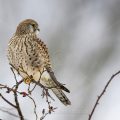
(28, 55)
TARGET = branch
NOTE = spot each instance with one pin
(51, 109)
(18, 106)
(35, 106)
(7, 101)
(16, 96)
(15, 90)
(102, 93)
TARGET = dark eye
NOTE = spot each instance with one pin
(33, 25)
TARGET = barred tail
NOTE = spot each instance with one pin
(61, 96)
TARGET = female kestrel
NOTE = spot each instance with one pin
(29, 57)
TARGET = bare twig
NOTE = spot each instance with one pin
(15, 89)
(46, 113)
(35, 106)
(11, 104)
(51, 109)
(16, 96)
(30, 91)
(18, 106)
(102, 93)
(13, 73)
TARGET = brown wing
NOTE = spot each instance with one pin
(44, 51)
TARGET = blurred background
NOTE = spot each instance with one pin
(83, 37)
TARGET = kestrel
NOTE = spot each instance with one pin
(28, 55)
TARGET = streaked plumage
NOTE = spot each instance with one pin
(29, 56)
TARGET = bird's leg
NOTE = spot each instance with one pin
(28, 79)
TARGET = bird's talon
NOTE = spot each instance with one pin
(27, 81)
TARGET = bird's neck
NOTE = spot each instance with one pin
(33, 35)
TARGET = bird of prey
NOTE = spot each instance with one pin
(28, 55)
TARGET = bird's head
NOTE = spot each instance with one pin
(27, 26)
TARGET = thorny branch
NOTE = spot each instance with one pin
(102, 93)
(15, 90)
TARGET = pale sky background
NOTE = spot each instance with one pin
(83, 37)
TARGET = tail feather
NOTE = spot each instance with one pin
(64, 88)
(61, 96)
(57, 87)
(51, 73)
